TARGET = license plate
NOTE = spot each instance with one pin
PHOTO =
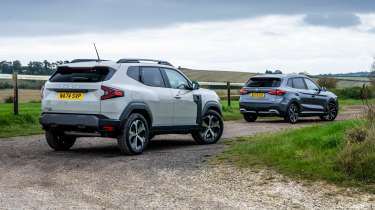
(257, 95)
(70, 96)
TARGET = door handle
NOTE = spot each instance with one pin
(177, 97)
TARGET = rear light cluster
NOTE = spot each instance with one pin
(243, 91)
(277, 92)
(111, 93)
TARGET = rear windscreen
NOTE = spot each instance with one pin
(264, 82)
(75, 74)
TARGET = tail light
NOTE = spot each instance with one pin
(243, 91)
(111, 93)
(277, 92)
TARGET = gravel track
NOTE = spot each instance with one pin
(172, 174)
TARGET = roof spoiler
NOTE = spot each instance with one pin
(85, 60)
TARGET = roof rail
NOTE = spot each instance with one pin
(85, 60)
(139, 60)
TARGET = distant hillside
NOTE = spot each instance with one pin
(217, 76)
(351, 74)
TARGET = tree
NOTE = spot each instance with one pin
(372, 75)
(17, 66)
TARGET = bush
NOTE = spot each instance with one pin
(327, 82)
(9, 99)
(357, 160)
(356, 135)
(357, 157)
(351, 93)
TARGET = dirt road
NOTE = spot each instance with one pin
(171, 174)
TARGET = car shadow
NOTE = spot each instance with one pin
(112, 150)
(300, 121)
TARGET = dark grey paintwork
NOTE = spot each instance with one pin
(311, 102)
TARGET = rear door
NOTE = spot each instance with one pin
(304, 94)
(159, 97)
(75, 90)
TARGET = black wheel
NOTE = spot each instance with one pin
(59, 141)
(135, 136)
(250, 117)
(292, 113)
(332, 112)
(212, 128)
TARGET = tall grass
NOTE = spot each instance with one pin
(357, 158)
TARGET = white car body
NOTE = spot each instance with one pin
(99, 97)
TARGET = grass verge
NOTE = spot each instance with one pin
(26, 123)
(310, 153)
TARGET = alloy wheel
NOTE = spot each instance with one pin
(332, 112)
(137, 135)
(211, 128)
(293, 113)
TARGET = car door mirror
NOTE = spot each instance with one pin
(195, 85)
(323, 89)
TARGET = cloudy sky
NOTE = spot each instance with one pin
(317, 36)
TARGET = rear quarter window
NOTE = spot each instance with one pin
(133, 72)
(82, 74)
(264, 82)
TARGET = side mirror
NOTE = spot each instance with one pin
(195, 85)
(323, 89)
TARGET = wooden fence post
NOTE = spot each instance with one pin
(15, 93)
(228, 94)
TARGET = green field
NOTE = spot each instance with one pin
(310, 153)
(26, 123)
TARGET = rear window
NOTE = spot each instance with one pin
(94, 74)
(264, 82)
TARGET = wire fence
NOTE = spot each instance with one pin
(226, 90)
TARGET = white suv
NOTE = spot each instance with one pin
(131, 100)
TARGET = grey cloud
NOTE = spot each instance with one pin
(53, 17)
(332, 20)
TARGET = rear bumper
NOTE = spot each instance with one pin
(263, 109)
(78, 122)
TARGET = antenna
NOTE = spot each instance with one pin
(97, 54)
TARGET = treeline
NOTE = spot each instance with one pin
(32, 68)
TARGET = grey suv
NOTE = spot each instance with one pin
(288, 96)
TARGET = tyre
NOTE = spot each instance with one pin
(135, 136)
(332, 112)
(250, 117)
(211, 129)
(59, 141)
(292, 113)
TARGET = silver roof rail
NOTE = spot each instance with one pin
(139, 60)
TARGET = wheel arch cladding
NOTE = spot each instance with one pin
(212, 105)
(137, 107)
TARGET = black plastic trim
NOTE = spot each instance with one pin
(182, 129)
(134, 106)
(198, 100)
(210, 104)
